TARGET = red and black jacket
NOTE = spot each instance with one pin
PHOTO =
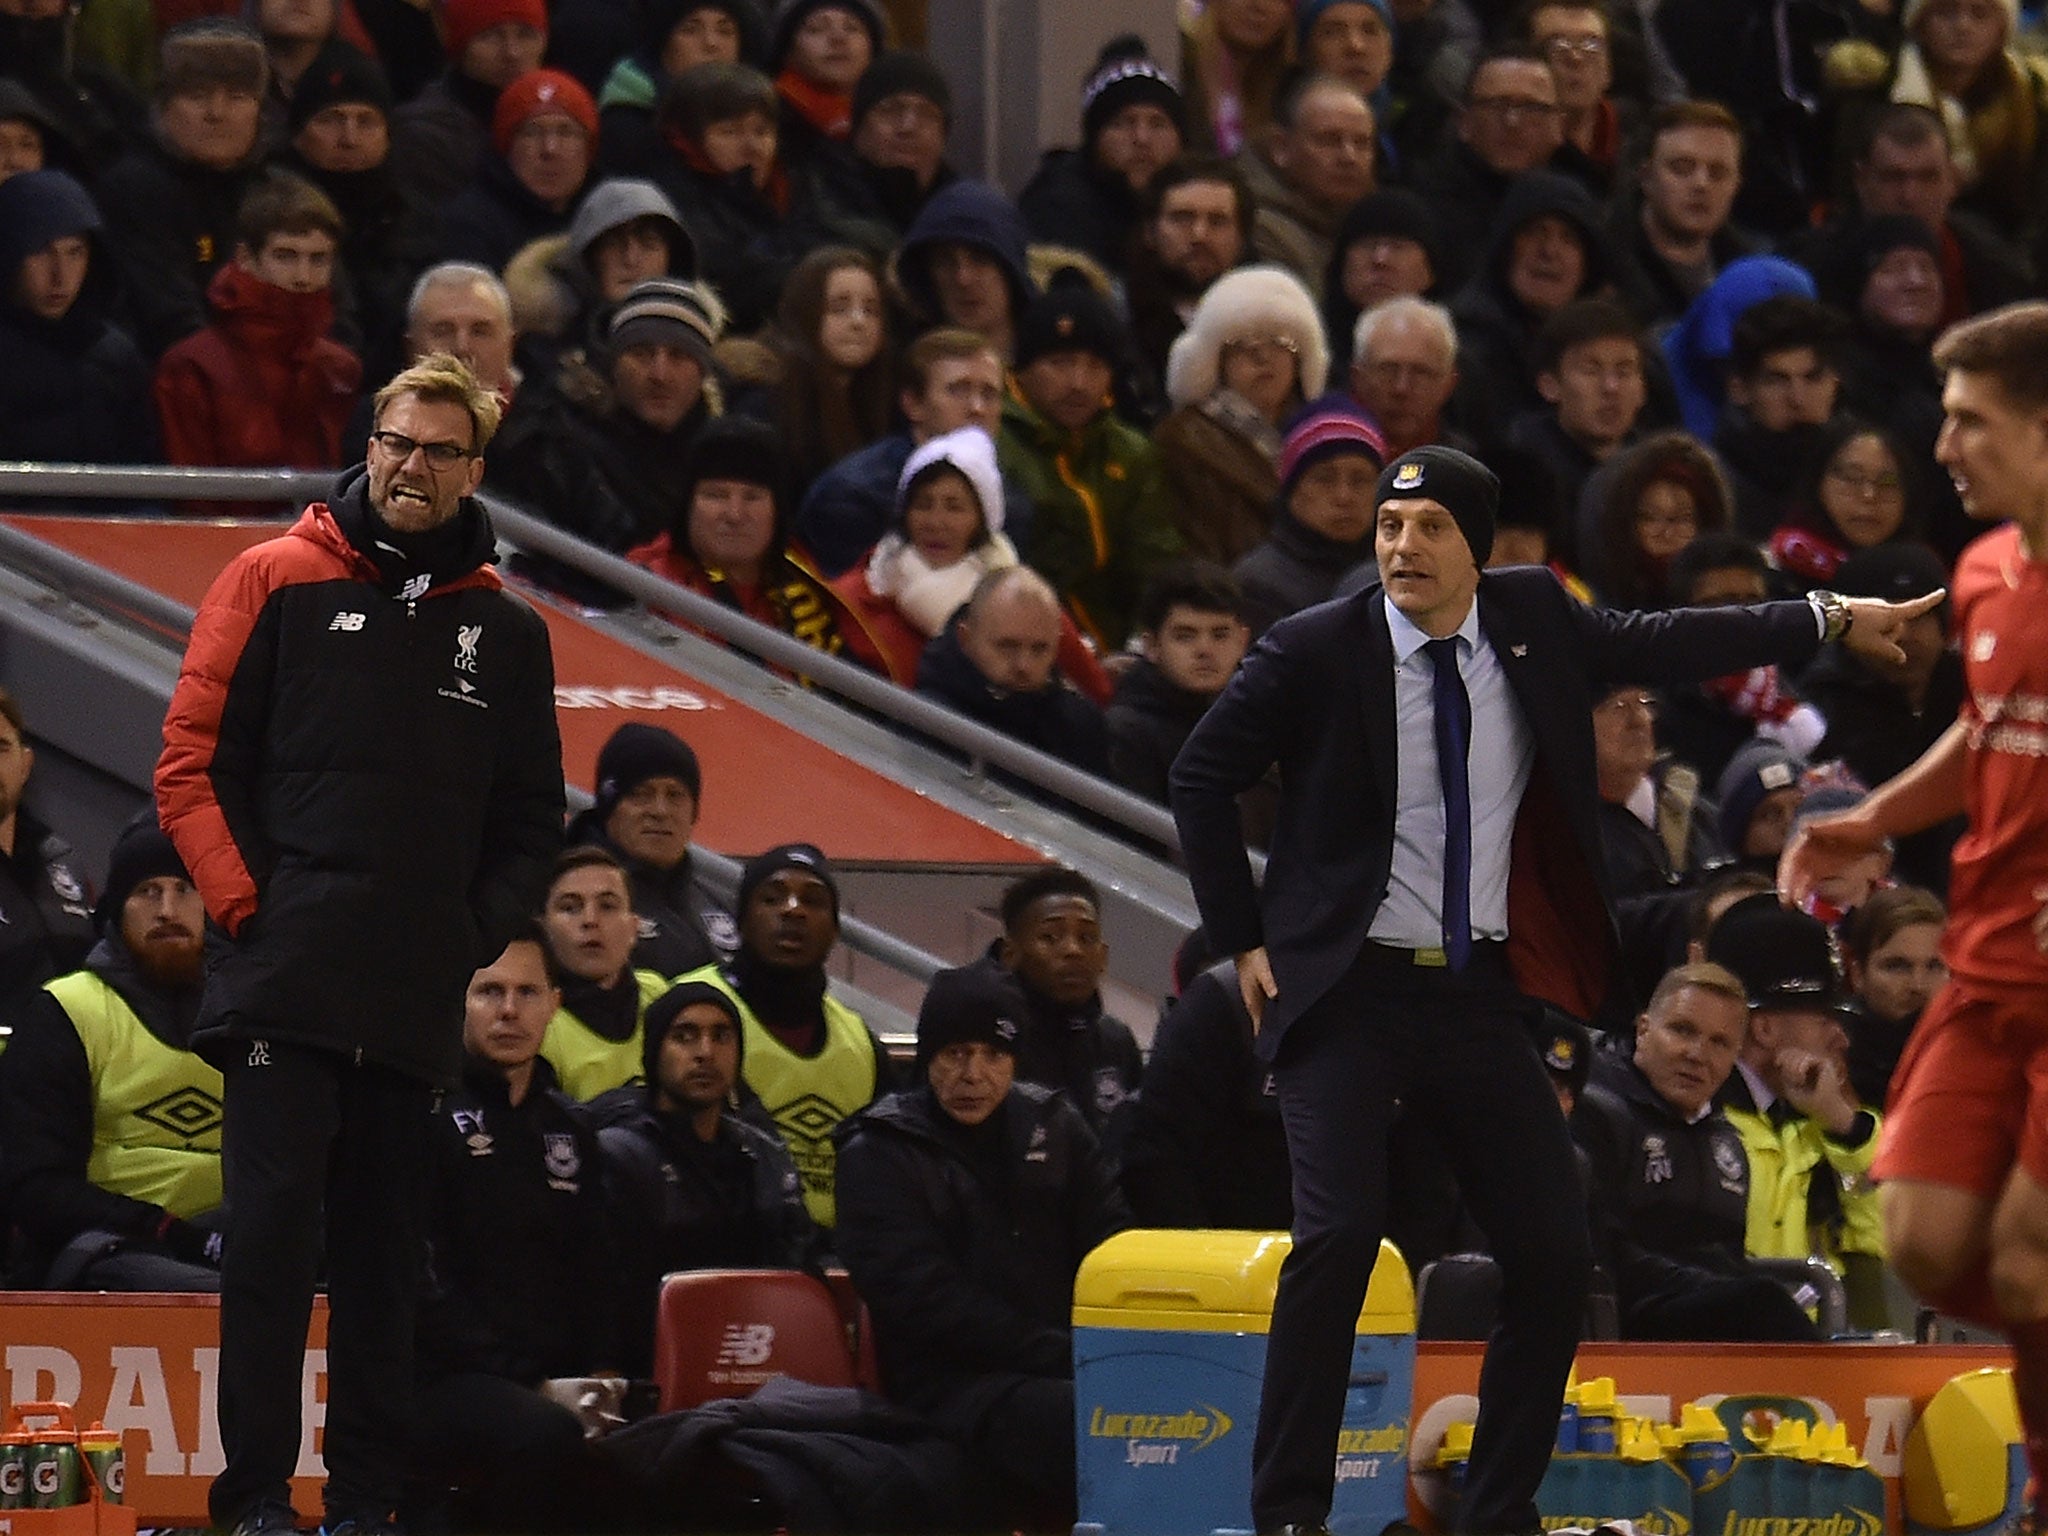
(361, 769)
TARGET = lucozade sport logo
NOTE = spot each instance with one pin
(1157, 1439)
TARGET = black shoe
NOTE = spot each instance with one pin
(267, 1518)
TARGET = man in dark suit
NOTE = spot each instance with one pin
(1413, 919)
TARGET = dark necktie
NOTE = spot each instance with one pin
(1453, 745)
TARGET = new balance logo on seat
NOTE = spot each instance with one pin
(349, 622)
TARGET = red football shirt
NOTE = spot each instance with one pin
(2001, 623)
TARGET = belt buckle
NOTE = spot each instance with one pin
(1435, 957)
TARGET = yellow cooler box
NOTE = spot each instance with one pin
(1169, 1346)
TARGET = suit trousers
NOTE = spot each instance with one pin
(318, 1153)
(1454, 1051)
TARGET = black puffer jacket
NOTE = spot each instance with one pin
(520, 1273)
(1093, 1058)
(677, 1203)
(965, 1245)
(362, 771)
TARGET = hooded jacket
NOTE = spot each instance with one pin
(75, 389)
(1496, 332)
(1704, 337)
(966, 213)
(966, 1246)
(361, 761)
(261, 386)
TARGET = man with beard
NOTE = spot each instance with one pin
(809, 1058)
(362, 767)
(111, 1169)
(594, 1042)
(1198, 225)
(649, 791)
(689, 1185)
(45, 915)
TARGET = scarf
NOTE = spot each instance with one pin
(926, 595)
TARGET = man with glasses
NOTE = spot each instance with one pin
(1510, 123)
(362, 771)
(1574, 39)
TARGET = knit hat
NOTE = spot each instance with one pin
(142, 852)
(18, 106)
(791, 14)
(198, 55)
(1308, 12)
(1240, 305)
(1867, 245)
(462, 20)
(1457, 482)
(1327, 426)
(635, 753)
(1392, 212)
(969, 450)
(1783, 957)
(339, 74)
(1070, 316)
(621, 200)
(36, 208)
(536, 92)
(901, 72)
(1126, 76)
(1758, 769)
(973, 1003)
(663, 1012)
(668, 309)
(804, 856)
(1895, 572)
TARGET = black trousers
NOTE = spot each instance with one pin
(1454, 1051)
(518, 1461)
(318, 1151)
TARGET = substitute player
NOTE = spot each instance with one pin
(1964, 1157)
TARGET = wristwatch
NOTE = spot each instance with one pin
(1832, 609)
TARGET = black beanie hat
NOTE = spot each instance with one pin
(662, 1012)
(792, 14)
(338, 74)
(804, 856)
(1392, 212)
(901, 72)
(976, 1002)
(658, 18)
(1125, 76)
(637, 752)
(1463, 486)
(1070, 316)
(142, 852)
(733, 448)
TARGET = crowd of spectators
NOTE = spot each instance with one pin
(1055, 461)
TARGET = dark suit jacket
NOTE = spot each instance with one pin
(1316, 696)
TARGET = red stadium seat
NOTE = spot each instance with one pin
(860, 1329)
(723, 1332)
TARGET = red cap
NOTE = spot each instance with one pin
(538, 91)
(461, 20)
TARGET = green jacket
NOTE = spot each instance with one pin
(1099, 521)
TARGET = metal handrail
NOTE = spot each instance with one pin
(528, 532)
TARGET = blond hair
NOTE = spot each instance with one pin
(441, 378)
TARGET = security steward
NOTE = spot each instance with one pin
(810, 1059)
(1420, 897)
(593, 1041)
(110, 1163)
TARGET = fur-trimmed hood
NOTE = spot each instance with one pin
(1250, 301)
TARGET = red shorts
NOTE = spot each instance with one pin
(1969, 1098)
